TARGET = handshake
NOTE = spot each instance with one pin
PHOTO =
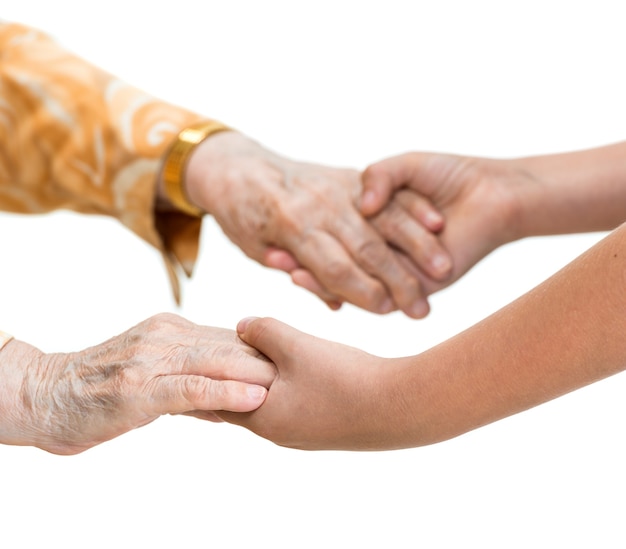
(382, 240)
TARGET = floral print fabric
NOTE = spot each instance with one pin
(75, 137)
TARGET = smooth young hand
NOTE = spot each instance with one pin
(326, 395)
(478, 198)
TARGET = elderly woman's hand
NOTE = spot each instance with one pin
(68, 403)
(265, 202)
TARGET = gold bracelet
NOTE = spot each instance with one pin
(4, 338)
(176, 160)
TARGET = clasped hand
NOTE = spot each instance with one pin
(305, 219)
(66, 403)
(331, 396)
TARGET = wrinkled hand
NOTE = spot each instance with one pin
(267, 204)
(414, 221)
(68, 403)
(325, 396)
(476, 196)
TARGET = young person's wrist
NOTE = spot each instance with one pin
(524, 199)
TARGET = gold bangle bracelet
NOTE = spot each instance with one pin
(176, 161)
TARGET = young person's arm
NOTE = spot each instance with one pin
(490, 202)
(566, 333)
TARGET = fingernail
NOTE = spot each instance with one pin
(387, 306)
(434, 220)
(441, 264)
(368, 199)
(419, 309)
(256, 392)
(244, 323)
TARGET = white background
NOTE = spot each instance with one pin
(341, 83)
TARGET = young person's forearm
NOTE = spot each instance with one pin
(582, 191)
(565, 334)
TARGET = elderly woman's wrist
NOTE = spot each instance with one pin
(18, 387)
(214, 164)
(173, 186)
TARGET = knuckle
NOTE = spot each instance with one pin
(377, 297)
(289, 215)
(337, 271)
(427, 245)
(161, 320)
(194, 390)
(162, 333)
(166, 319)
(391, 222)
(413, 202)
(372, 253)
(422, 248)
(411, 289)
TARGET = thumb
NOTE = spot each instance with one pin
(274, 339)
(382, 179)
(378, 187)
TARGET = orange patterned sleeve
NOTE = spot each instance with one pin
(75, 137)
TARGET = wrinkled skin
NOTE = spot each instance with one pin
(477, 197)
(302, 217)
(67, 403)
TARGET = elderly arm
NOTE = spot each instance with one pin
(73, 136)
(266, 203)
(565, 334)
(66, 403)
